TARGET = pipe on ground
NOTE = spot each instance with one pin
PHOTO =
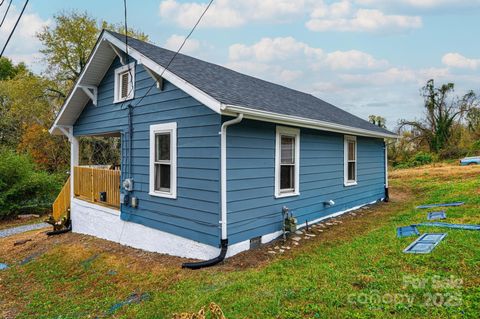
(210, 262)
(61, 231)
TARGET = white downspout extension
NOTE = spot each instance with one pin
(223, 171)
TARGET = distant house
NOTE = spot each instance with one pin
(209, 154)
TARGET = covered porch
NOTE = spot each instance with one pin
(94, 177)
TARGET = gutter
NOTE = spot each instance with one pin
(301, 122)
(223, 195)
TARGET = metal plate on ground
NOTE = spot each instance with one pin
(454, 226)
(425, 243)
(436, 215)
(441, 205)
(406, 231)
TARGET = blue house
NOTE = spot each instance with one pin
(209, 156)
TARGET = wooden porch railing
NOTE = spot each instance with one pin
(61, 205)
(89, 182)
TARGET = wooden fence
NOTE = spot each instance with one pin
(89, 182)
(62, 202)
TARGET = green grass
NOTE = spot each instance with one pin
(341, 276)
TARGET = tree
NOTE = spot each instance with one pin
(8, 70)
(442, 112)
(50, 153)
(377, 120)
(68, 44)
(27, 108)
(473, 121)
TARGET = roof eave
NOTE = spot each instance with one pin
(266, 116)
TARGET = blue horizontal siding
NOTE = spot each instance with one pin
(195, 212)
(252, 208)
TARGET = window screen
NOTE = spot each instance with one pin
(162, 162)
(287, 164)
(351, 158)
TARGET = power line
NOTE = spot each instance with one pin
(176, 53)
(6, 12)
(14, 27)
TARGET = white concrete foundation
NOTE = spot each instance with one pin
(104, 222)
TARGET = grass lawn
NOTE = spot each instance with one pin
(355, 269)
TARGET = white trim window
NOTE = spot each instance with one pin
(287, 162)
(124, 86)
(163, 160)
(350, 160)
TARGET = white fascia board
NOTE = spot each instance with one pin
(183, 85)
(301, 122)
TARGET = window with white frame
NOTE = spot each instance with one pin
(350, 160)
(287, 162)
(124, 83)
(163, 160)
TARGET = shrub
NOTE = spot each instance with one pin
(420, 158)
(24, 189)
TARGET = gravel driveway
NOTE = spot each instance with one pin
(21, 229)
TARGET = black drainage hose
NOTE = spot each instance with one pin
(211, 262)
(61, 231)
(387, 197)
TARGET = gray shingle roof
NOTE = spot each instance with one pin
(234, 88)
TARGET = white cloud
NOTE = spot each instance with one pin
(456, 60)
(343, 15)
(231, 13)
(353, 59)
(394, 76)
(24, 45)
(364, 20)
(423, 4)
(289, 50)
(270, 49)
(175, 41)
(334, 10)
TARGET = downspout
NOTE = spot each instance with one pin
(387, 198)
(223, 198)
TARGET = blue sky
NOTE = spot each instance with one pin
(366, 56)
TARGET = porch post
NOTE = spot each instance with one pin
(74, 158)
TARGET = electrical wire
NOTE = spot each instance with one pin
(177, 52)
(14, 27)
(6, 12)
